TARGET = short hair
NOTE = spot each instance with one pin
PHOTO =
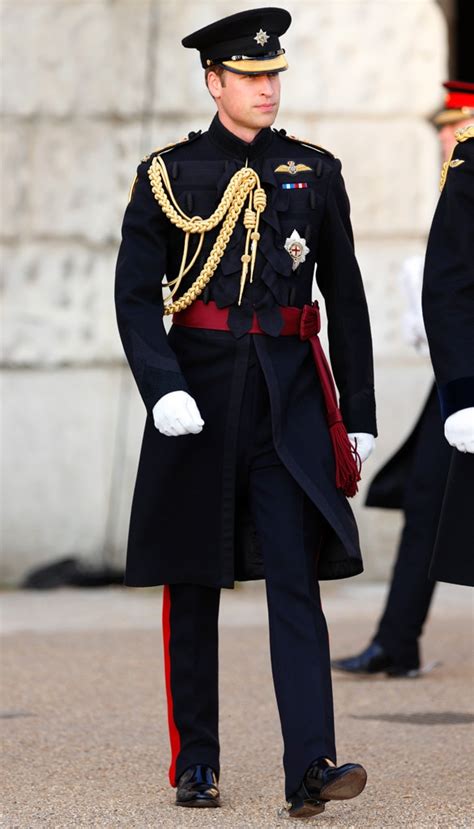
(218, 70)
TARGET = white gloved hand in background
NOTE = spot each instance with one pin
(363, 443)
(459, 430)
(411, 281)
(176, 413)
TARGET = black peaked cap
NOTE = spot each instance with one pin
(249, 34)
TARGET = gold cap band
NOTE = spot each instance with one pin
(451, 116)
(256, 67)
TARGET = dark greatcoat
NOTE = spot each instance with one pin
(393, 484)
(448, 309)
(185, 524)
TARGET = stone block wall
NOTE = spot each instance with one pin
(88, 87)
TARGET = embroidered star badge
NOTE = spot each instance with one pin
(297, 248)
(261, 37)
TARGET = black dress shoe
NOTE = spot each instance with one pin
(324, 781)
(373, 660)
(197, 787)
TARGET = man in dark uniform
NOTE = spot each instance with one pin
(255, 485)
(414, 479)
(448, 307)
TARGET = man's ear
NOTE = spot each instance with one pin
(214, 85)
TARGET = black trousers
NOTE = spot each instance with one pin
(411, 590)
(289, 529)
(453, 559)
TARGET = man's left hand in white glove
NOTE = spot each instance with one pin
(459, 430)
(363, 443)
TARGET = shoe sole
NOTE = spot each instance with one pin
(348, 785)
(200, 804)
(307, 809)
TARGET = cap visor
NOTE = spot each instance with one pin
(256, 67)
(451, 116)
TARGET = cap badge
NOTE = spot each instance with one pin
(291, 168)
(261, 37)
(296, 246)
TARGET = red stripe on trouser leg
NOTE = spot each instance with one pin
(175, 740)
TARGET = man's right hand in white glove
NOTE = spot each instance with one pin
(459, 430)
(177, 414)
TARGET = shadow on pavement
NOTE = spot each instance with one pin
(421, 718)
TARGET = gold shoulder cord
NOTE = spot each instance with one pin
(464, 133)
(147, 157)
(460, 135)
(244, 184)
(310, 144)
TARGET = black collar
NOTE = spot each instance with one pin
(235, 147)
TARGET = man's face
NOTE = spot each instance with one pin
(248, 102)
(446, 136)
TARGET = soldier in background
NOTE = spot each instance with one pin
(414, 479)
(448, 307)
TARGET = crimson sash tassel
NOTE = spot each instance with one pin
(347, 466)
(347, 459)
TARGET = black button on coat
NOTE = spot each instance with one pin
(186, 525)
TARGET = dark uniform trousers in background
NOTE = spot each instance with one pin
(413, 480)
(289, 528)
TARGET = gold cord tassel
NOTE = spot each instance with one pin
(246, 258)
(260, 203)
(241, 186)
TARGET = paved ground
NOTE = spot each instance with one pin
(85, 739)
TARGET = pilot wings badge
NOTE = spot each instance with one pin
(292, 168)
(297, 248)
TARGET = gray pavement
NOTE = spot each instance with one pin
(84, 721)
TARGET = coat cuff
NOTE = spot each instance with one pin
(358, 413)
(456, 395)
(156, 383)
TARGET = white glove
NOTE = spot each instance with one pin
(413, 326)
(176, 413)
(459, 430)
(363, 443)
(414, 332)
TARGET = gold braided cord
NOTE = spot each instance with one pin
(244, 184)
(444, 172)
(159, 179)
(184, 269)
(464, 133)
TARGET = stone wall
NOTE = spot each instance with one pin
(88, 87)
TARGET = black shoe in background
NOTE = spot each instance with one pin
(373, 660)
(70, 572)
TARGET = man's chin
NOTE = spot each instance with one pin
(265, 118)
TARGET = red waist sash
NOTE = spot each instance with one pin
(304, 323)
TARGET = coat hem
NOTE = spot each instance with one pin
(342, 569)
